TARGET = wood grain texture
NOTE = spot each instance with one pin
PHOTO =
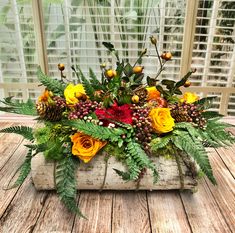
(54, 216)
(90, 176)
(130, 213)
(203, 212)
(224, 192)
(24, 210)
(167, 213)
(97, 207)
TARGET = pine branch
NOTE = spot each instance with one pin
(194, 148)
(24, 131)
(66, 183)
(53, 85)
(87, 85)
(96, 131)
(27, 108)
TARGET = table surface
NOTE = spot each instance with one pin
(23, 209)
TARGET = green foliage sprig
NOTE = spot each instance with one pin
(53, 85)
(25, 131)
(11, 106)
(65, 177)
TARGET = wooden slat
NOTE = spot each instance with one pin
(167, 212)
(203, 212)
(130, 213)
(227, 155)
(224, 193)
(54, 216)
(97, 207)
(24, 210)
(7, 176)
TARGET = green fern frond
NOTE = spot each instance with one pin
(190, 128)
(159, 143)
(97, 85)
(195, 149)
(53, 85)
(205, 103)
(87, 85)
(138, 155)
(211, 114)
(96, 131)
(37, 148)
(25, 169)
(24, 131)
(17, 107)
(216, 131)
(65, 177)
(124, 175)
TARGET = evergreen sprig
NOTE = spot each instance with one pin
(96, 84)
(25, 131)
(96, 131)
(27, 108)
(53, 85)
(65, 177)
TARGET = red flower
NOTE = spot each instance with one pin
(116, 113)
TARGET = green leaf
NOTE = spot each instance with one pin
(183, 80)
(128, 70)
(169, 83)
(151, 81)
(53, 85)
(97, 85)
(24, 131)
(65, 177)
(138, 78)
(206, 102)
(159, 143)
(109, 46)
(178, 91)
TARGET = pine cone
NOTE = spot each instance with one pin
(180, 116)
(49, 112)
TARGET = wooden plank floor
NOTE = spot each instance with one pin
(23, 209)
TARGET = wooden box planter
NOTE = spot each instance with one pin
(90, 176)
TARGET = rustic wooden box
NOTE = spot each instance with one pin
(90, 176)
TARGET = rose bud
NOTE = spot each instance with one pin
(153, 40)
(187, 84)
(135, 99)
(168, 56)
(138, 69)
(61, 66)
(111, 73)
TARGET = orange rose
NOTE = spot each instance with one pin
(162, 121)
(153, 93)
(85, 147)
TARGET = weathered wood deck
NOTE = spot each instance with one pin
(23, 209)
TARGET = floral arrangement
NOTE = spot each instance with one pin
(126, 114)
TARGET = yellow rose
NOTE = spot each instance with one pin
(85, 147)
(72, 93)
(153, 93)
(189, 97)
(162, 121)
